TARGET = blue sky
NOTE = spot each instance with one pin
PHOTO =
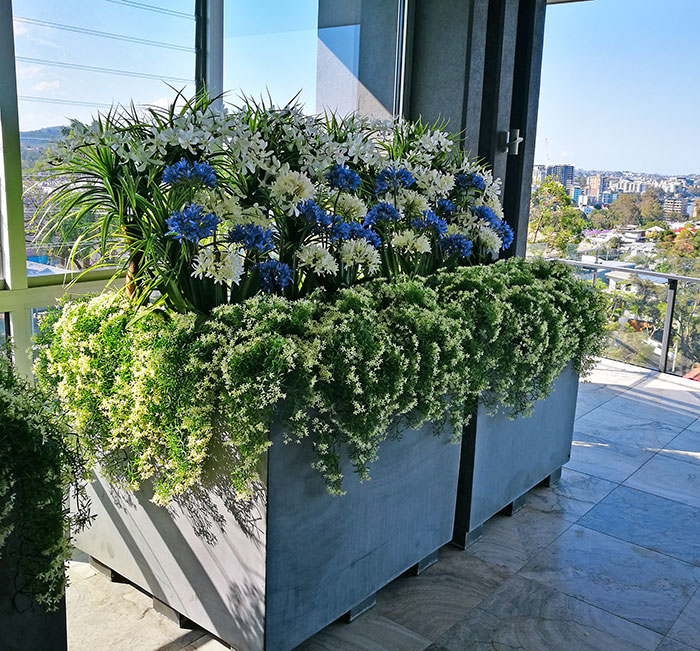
(620, 86)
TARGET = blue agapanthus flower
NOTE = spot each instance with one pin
(381, 212)
(341, 230)
(274, 275)
(392, 179)
(444, 207)
(485, 213)
(185, 172)
(505, 232)
(191, 224)
(459, 245)
(430, 221)
(343, 178)
(252, 237)
(471, 180)
(312, 213)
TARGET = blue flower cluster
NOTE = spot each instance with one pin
(252, 237)
(186, 172)
(458, 245)
(343, 178)
(273, 275)
(444, 207)
(430, 220)
(471, 180)
(190, 224)
(313, 214)
(342, 230)
(392, 179)
(501, 227)
(381, 212)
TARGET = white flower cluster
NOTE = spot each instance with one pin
(350, 207)
(225, 266)
(317, 259)
(361, 253)
(433, 183)
(289, 188)
(411, 242)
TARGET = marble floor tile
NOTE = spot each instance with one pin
(671, 478)
(432, 602)
(369, 632)
(645, 404)
(527, 616)
(511, 541)
(673, 389)
(590, 399)
(687, 627)
(667, 644)
(685, 447)
(628, 428)
(650, 521)
(605, 459)
(572, 497)
(632, 582)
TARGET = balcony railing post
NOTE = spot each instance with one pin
(668, 323)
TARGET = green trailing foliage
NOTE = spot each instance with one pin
(151, 393)
(39, 464)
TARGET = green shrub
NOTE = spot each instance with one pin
(148, 392)
(39, 463)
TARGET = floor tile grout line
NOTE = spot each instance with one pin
(679, 616)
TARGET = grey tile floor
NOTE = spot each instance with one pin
(609, 559)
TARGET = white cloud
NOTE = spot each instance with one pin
(46, 85)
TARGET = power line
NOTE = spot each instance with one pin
(147, 7)
(111, 71)
(94, 32)
(70, 102)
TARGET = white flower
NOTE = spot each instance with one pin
(433, 182)
(318, 259)
(411, 243)
(350, 207)
(292, 187)
(223, 266)
(361, 253)
(412, 203)
(489, 239)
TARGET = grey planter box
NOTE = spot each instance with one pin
(270, 576)
(502, 459)
(23, 623)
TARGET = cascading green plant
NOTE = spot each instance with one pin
(151, 393)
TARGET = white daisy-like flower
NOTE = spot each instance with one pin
(318, 259)
(361, 253)
(292, 187)
(351, 207)
(411, 243)
(412, 203)
(225, 266)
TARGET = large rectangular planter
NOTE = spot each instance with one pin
(504, 458)
(271, 576)
(23, 622)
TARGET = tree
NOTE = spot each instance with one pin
(625, 209)
(553, 220)
(650, 208)
(602, 219)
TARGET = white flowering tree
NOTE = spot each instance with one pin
(207, 207)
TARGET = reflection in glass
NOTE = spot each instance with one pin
(337, 56)
(684, 351)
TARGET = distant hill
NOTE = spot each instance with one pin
(33, 144)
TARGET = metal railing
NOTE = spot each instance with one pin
(672, 281)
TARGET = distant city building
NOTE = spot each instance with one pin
(608, 197)
(676, 206)
(539, 173)
(564, 174)
(597, 184)
(575, 193)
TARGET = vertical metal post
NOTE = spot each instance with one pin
(668, 323)
(209, 45)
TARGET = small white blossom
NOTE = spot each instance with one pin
(223, 266)
(411, 243)
(412, 203)
(318, 259)
(489, 239)
(292, 187)
(361, 253)
(350, 207)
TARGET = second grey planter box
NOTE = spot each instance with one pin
(504, 458)
(270, 576)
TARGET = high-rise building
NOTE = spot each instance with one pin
(539, 173)
(676, 206)
(597, 184)
(562, 173)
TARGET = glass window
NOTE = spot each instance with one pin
(73, 59)
(340, 56)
